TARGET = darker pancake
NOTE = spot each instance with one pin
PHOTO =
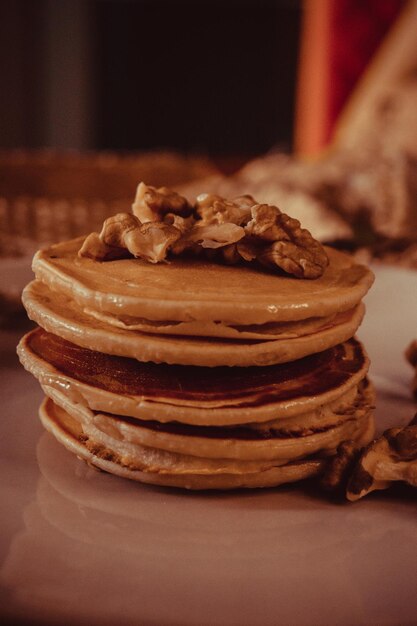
(246, 433)
(312, 375)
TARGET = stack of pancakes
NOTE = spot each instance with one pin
(196, 374)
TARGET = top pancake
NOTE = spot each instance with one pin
(188, 289)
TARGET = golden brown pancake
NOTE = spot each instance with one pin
(188, 289)
(59, 314)
(69, 432)
(191, 395)
(278, 443)
(269, 330)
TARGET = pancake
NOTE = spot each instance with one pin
(269, 330)
(196, 374)
(199, 396)
(59, 314)
(69, 432)
(241, 443)
(192, 290)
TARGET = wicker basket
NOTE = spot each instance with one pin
(48, 196)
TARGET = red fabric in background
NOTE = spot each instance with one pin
(357, 27)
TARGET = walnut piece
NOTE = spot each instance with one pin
(291, 247)
(232, 231)
(339, 468)
(390, 458)
(124, 233)
(411, 356)
(95, 248)
(215, 235)
(212, 209)
(152, 204)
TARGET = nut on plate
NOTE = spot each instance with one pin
(392, 457)
(411, 356)
(339, 468)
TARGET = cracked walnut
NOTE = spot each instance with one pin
(163, 222)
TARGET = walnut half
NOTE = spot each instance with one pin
(288, 246)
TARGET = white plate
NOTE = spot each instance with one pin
(87, 547)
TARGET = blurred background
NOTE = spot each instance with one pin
(218, 77)
(214, 76)
(307, 104)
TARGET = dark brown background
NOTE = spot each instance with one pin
(215, 76)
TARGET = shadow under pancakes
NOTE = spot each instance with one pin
(113, 549)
